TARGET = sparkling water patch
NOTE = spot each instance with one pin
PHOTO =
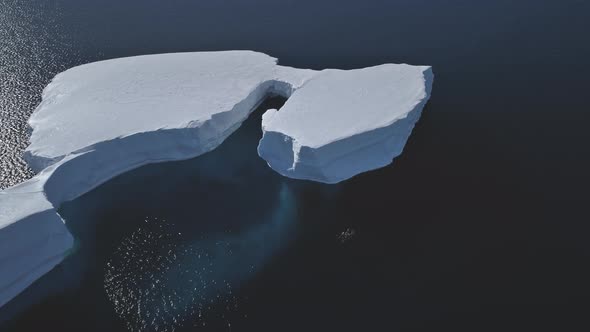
(158, 282)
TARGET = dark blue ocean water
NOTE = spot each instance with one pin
(481, 225)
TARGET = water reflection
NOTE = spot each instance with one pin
(159, 278)
(34, 46)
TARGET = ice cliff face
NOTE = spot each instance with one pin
(99, 120)
(342, 123)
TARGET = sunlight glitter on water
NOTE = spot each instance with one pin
(34, 48)
(161, 279)
(155, 281)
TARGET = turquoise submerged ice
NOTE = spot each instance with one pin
(99, 120)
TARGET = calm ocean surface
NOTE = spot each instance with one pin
(481, 225)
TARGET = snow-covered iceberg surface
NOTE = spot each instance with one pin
(153, 107)
(99, 120)
(342, 123)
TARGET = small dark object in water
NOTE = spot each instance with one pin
(346, 235)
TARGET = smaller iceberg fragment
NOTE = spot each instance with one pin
(342, 123)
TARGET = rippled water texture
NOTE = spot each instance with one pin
(155, 281)
(162, 278)
(32, 50)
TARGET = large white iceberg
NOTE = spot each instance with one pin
(99, 120)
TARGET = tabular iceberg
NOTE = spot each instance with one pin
(99, 120)
(342, 123)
